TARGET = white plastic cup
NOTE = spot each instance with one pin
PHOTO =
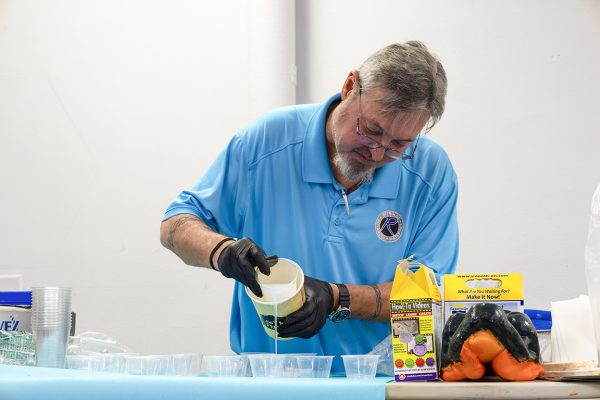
(362, 366)
(314, 366)
(283, 293)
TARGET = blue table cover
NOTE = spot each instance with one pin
(33, 383)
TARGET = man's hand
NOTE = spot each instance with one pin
(309, 319)
(238, 260)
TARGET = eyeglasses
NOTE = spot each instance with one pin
(367, 141)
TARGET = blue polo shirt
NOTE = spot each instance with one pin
(273, 183)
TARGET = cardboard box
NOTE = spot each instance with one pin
(416, 321)
(461, 291)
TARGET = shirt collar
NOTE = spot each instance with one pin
(315, 162)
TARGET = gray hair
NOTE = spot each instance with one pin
(413, 78)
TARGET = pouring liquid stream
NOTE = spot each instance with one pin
(276, 325)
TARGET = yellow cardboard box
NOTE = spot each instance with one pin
(461, 291)
(416, 320)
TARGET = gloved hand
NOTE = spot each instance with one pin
(311, 317)
(238, 260)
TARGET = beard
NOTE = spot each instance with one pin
(355, 173)
(342, 160)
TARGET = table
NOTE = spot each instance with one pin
(31, 383)
(492, 390)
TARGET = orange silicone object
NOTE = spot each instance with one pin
(508, 368)
(482, 347)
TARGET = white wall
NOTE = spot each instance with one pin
(522, 121)
(109, 108)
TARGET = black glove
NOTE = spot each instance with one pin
(238, 260)
(309, 319)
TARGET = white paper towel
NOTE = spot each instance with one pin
(572, 336)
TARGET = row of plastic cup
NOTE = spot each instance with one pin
(134, 364)
(259, 365)
(288, 365)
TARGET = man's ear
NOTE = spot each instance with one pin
(350, 84)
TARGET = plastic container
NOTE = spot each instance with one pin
(180, 364)
(225, 366)
(363, 366)
(86, 362)
(143, 365)
(115, 362)
(15, 311)
(283, 293)
(50, 324)
(270, 365)
(314, 366)
(542, 321)
(273, 365)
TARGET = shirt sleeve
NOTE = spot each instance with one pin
(220, 197)
(436, 241)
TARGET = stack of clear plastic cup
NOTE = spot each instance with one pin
(50, 324)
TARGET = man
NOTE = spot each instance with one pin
(345, 189)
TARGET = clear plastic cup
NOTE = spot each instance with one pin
(290, 366)
(248, 365)
(86, 362)
(363, 366)
(179, 364)
(50, 346)
(143, 365)
(314, 366)
(196, 364)
(115, 362)
(224, 366)
(266, 365)
(165, 363)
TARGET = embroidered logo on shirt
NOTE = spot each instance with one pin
(388, 226)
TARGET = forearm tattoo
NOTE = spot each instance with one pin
(377, 301)
(174, 227)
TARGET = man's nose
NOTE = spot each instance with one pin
(378, 153)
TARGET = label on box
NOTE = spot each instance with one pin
(15, 319)
(461, 291)
(416, 322)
